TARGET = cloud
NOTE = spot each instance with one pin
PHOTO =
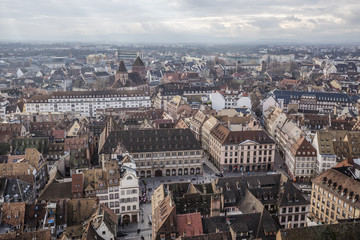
(179, 20)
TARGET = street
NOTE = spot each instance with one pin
(144, 226)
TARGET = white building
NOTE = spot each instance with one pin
(229, 99)
(300, 157)
(3, 104)
(326, 157)
(87, 102)
(129, 189)
(116, 185)
(268, 102)
(293, 207)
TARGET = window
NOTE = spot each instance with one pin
(123, 208)
(128, 208)
(283, 210)
(290, 209)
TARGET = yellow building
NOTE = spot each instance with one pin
(334, 196)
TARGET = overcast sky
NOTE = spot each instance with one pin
(180, 20)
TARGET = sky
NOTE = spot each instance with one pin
(161, 21)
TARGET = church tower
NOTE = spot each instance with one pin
(122, 74)
(139, 67)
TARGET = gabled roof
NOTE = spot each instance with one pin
(189, 224)
(138, 62)
(56, 191)
(122, 67)
(320, 96)
(163, 212)
(260, 137)
(13, 214)
(34, 214)
(292, 196)
(220, 133)
(334, 181)
(302, 148)
(151, 140)
(79, 210)
(349, 230)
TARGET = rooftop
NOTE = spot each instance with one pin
(151, 140)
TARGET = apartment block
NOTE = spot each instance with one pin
(87, 102)
(335, 196)
(241, 150)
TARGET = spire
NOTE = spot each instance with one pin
(138, 62)
(122, 67)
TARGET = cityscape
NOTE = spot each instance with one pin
(187, 120)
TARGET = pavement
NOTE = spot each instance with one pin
(144, 226)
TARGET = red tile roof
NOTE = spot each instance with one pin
(77, 183)
(190, 224)
(58, 133)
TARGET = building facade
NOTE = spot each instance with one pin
(293, 208)
(241, 150)
(323, 102)
(117, 187)
(323, 144)
(196, 123)
(207, 127)
(157, 152)
(335, 196)
(302, 159)
(86, 103)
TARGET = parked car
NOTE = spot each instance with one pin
(219, 175)
(121, 234)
